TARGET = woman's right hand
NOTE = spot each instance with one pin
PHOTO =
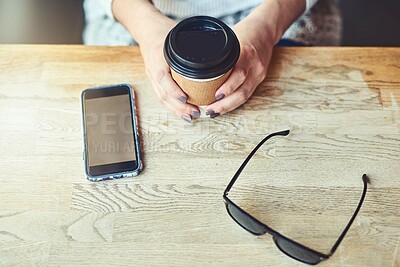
(133, 14)
(167, 91)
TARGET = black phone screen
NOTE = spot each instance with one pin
(109, 127)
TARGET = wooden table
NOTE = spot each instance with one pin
(341, 105)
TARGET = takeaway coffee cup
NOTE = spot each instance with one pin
(201, 52)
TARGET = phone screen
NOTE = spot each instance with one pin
(109, 126)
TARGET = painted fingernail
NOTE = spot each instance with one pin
(196, 114)
(187, 118)
(220, 96)
(212, 116)
(209, 112)
(182, 99)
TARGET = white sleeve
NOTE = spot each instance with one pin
(106, 6)
(310, 3)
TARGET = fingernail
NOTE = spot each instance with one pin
(196, 114)
(187, 118)
(220, 96)
(182, 99)
(209, 112)
(212, 116)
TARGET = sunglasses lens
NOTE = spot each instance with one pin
(244, 220)
(297, 252)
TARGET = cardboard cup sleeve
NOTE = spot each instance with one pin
(200, 93)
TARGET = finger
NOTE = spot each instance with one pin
(180, 109)
(184, 116)
(236, 79)
(161, 94)
(163, 97)
(234, 100)
(166, 83)
(184, 109)
(160, 73)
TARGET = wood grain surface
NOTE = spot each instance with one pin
(342, 106)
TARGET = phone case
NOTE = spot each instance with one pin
(135, 133)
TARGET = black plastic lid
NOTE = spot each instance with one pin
(201, 47)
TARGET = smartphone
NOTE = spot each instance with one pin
(110, 133)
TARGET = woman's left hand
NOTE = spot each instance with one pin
(256, 44)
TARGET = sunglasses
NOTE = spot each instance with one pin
(291, 248)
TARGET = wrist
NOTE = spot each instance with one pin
(156, 28)
(133, 14)
(277, 15)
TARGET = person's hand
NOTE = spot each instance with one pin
(257, 34)
(149, 27)
(256, 44)
(167, 91)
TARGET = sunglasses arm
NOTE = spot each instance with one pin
(335, 246)
(239, 171)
